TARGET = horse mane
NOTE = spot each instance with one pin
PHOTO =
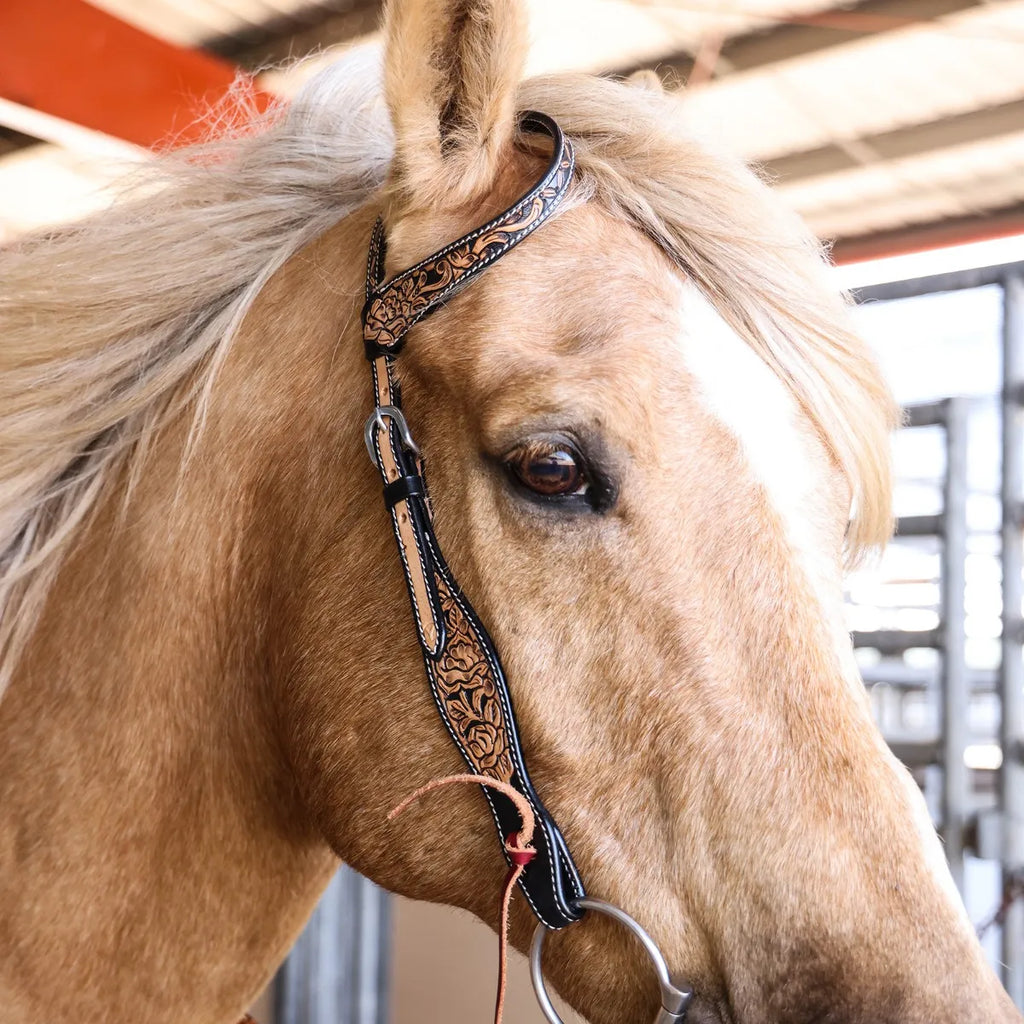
(114, 325)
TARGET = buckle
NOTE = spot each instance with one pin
(376, 419)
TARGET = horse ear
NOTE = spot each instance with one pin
(646, 79)
(452, 68)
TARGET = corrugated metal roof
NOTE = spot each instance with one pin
(955, 183)
(868, 86)
(873, 117)
(192, 22)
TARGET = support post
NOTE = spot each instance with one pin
(955, 696)
(1011, 783)
(337, 973)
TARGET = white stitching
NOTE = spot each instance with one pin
(483, 264)
(568, 164)
(566, 160)
(373, 256)
(510, 719)
(417, 614)
(458, 243)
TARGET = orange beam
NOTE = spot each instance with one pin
(902, 242)
(74, 61)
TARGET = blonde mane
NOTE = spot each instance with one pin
(114, 325)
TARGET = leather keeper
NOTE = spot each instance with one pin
(404, 487)
(374, 349)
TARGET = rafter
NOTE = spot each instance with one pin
(307, 30)
(70, 60)
(1000, 223)
(982, 125)
(812, 34)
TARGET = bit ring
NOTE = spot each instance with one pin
(674, 1000)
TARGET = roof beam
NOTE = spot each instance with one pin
(913, 140)
(811, 34)
(70, 60)
(918, 238)
(308, 30)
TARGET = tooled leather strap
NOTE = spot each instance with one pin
(463, 667)
(393, 306)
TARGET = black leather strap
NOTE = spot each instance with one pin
(403, 488)
(463, 667)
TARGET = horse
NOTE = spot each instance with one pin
(212, 686)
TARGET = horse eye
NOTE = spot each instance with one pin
(551, 469)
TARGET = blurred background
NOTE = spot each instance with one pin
(896, 128)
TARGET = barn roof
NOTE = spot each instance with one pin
(889, 124)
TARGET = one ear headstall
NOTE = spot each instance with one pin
(393, 306)
(463, 667)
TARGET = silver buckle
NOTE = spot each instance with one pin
(376, 419)
(674, 1000)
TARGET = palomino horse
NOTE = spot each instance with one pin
(214, 689)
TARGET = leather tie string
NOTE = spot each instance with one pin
(518, 848)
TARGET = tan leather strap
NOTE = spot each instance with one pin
(463, 668)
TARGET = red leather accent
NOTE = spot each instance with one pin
(520, 856)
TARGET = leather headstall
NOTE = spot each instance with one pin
(463, 667)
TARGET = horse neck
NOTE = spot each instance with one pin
(150, 826)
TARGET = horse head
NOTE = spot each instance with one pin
(653, 441)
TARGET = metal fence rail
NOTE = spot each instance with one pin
(950, 526)
(1011, 789)
(1009, 814)
(337, 971)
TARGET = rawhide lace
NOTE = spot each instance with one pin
(518, 847)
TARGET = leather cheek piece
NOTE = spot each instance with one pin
(409, 516)
(463, 668)
(469, 687)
